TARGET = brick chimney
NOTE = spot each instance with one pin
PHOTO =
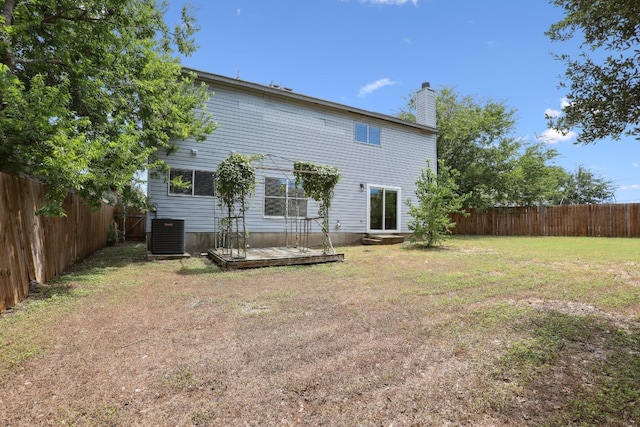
(426, 106)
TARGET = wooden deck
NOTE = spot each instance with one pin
(271, 257)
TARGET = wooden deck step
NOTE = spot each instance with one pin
(370, 241)
(382, 239)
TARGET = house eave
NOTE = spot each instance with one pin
(210, 78)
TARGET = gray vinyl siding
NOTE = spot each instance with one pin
(285, 130)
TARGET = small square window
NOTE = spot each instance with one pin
(282, 198)
(367, 134)
(194, 183)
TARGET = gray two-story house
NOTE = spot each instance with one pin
(379, 158)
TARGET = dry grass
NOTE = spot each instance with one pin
(486, 331)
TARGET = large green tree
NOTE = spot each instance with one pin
(603, 81)
(583, 187)
(90, 90)
(533, 179)
(476, 137)
(493, 167)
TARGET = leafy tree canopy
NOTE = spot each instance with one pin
(583, 187)
(494, 167)
(130, 198)
(476, 139)
(604, 81)
(91, 90)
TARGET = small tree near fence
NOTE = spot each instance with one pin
(437, 198)
(318, 182)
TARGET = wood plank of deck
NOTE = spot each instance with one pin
(272, 257)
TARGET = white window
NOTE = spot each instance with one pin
(282, 198)
(367, 134)
(194, 183)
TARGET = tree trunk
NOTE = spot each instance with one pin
(8, 13)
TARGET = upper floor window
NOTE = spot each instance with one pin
(282, 198)
(194, 183)
(367, 134)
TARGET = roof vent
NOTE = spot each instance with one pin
(275, 86)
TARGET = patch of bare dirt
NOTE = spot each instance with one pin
(575, 308)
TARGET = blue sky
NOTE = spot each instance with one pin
(371, 53)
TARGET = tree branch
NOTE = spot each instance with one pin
(38, 61)
(83, 16)
(8, 14)
(7, 11)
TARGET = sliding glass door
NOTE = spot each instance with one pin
(384, 208)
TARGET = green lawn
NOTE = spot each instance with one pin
(481, 331)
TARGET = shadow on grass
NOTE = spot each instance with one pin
(44, 292)
(115, 256)
(92, 269)
(198, 266)
(574, 370)
(96, 266)
(424, 248)
(195, 271)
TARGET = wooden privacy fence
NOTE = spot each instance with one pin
(131, 224)
(608, 220)
(36, 248)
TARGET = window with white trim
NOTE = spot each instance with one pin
(384, 208)
(195, 182)
(362, 132)
(282, 198)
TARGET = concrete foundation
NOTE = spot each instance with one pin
(197, 243)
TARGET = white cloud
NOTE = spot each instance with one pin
(371, 87)
(636, 165)
(238, 12)
(551, 136)
(552, 113)
(630, 187)
(406, 40)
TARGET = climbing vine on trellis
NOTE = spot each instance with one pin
(235, 183)
(318, 182)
